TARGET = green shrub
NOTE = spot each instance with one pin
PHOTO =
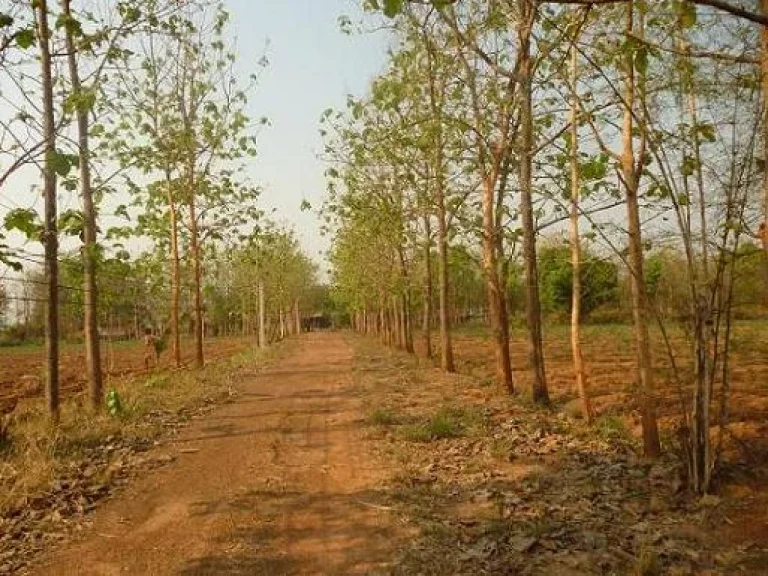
(383, 417)
(445, 423)
(612, 428)
(114, 404)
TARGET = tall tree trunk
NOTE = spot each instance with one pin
(427, 319)
(382, 326)
(297, 316)
(533, 304)
(90, 294)
(578, 360)
(396, 332)
(282, 323)
(194, 241)
(700, 307)
(447, 363)
(446, 345)
(495, 296)
(764, 84)
(175, 272)
(262, 318)
(406, 332)
(631, 181)
(51, 234)
(407, 322)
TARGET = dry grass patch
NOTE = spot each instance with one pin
(138, 410)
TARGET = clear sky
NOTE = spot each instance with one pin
(313, 66)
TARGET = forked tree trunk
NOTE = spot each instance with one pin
(533, 304)
(90, 294)
(631, 181)
(700, 463)
(51, 234)
(578, 361)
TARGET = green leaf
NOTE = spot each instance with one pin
(25, 38)
(689, 166)
(393, 7)
(687, 14)
(706, 131)
(114, 404)
(71, 223)
(641, 60)
(25, 221)
(61, 163)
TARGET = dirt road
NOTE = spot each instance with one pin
(279, 482)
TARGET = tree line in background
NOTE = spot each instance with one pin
(630, 135)
(139, 109)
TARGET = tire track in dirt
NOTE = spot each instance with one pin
(279, 482)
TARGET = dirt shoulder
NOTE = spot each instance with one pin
(494, 485)
(278, 482)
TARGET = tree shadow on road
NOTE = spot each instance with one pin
(297, 532)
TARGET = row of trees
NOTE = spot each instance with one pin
(134, 293)
(138, 106)
(637, 125)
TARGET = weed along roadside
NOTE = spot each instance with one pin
(52, 479)
(497, 485)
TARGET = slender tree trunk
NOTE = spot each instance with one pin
(396, 322)
(262, 318)
(764, 84)
(194, 240)
(175, 272)
(427, 320)
(651, 443)
(491, 268)
(282, 324)
(533, 305)
(382, 326)
(297, 316)
(446, 345)
(407, 323)
(90, 294)
(578, 361)
(406, 332)
(51, 234)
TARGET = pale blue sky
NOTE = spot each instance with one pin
(313, 66)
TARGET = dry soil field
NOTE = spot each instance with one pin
(21, 368)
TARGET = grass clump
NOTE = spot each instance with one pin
(445, 423)
(612, 428)
(647, 563)
(383, 417)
